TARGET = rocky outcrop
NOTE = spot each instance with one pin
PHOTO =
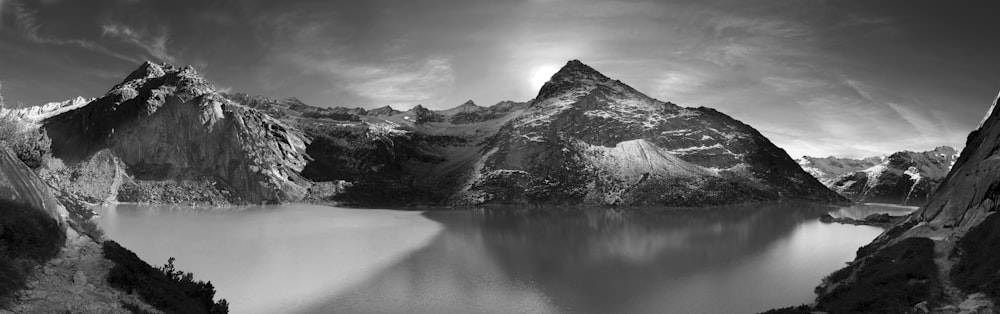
(960, 225)
(906, 177)
(20, 185)
(168, 123)
(588, 139)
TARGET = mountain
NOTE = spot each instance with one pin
(588, 139)
(165, 135)
(943, 256)
(175, 131)
(907, 178)
(828, 169)
(38, 113)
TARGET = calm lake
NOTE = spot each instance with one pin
(318, 259)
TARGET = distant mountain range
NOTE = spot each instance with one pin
(168, 136)
(905, 177)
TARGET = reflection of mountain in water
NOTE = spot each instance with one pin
(600, 260)
(572, 259)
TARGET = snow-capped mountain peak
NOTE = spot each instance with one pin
(36, 114)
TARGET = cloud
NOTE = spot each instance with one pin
(787, 84)
(860, 88)
(3, 3)
(154, 45)
(401, 83)
(28, 25)
(675, 83)
(742, 27)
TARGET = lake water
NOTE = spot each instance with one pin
(318, 259)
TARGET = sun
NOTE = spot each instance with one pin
(541, 74)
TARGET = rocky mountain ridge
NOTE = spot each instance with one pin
(169, 124)
(584, 140)
(39, 113)
(828, 169)
(906, 177)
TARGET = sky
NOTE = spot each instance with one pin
(843, 78)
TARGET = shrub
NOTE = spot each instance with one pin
(801, 309)
(31, 145)
(165, 288)
(890, 281)
(28, 238)
(977, 270)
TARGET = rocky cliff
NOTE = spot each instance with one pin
(20, 185)
(168, 124)
(905, 177)
(942, 258)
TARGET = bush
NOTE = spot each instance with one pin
(801, 309)
(31, 145)
(165, 288)
(28, 238)
(977, 270)
(890, 281)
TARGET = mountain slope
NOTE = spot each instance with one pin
(552, 153)
(169, 124)
(828, 169)
(585, 139)
(905, 177)
(960, 225)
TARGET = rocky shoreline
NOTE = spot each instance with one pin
(878, 220)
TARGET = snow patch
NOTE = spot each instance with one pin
(874, 173)
(638, 158)
(914, 174)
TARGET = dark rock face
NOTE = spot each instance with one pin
(961, 207)
(906, 177)
(167, 123)
(587, 139)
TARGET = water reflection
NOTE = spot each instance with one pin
(315, 259)
(716, 260)
(860, 211)
(270, 259)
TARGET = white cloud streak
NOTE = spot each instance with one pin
(154, 45)
(28, 25)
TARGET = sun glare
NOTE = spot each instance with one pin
(541, 74)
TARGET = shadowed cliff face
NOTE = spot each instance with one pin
(167, 123)
(971, 190)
